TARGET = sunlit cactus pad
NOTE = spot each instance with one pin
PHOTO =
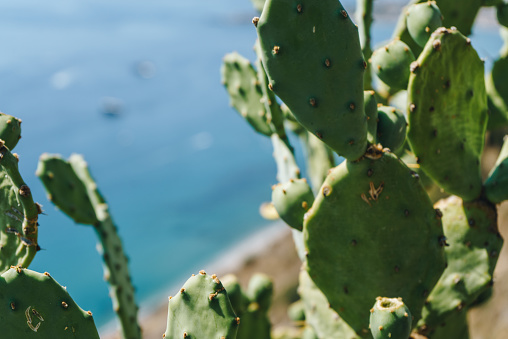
(201, 310)
(321, 82)
(375, 219)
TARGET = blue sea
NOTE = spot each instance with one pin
(135, 87)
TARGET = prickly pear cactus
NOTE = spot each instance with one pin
(292, 200)
(10, 130)
(34, 305)
(422, 20)
(391, 63)
(447, 107)
(201, 309)
(72, 188)
(474, 244)
(390, 318)
(241, 81)
(374, 218)
(391, 128)
(323, 89)
(18, 215)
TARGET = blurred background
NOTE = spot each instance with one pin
(135, 87)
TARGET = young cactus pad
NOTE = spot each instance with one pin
(18, 217)
(422, 20)
(447, 106)
(324, 88)
(390, 318)
(391, 63)
(201, 310)
(391, 128)
(34, 305)
(292, 200)
(10, 130)
(374, 220)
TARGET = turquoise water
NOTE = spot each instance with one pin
(183, 174)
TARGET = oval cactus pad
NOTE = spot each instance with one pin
(312, 55)
(447, 106)
(373, 231)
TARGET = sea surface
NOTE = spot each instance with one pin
(135, 87)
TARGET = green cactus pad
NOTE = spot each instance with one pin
(422, 20)
(401, 32)
(287, 168)
(10, 130)
(391, 128)
(201, 310)
(474, 246)
(75, 192)
(292, 200)
(496, 185)
(369, 98)
(65, 189)
(318, 313)
(18, 215)
(34, 305)
(391, 64)
(390, 318)
(244, 89)
(374, 221)
(447, 107)
(323, 89)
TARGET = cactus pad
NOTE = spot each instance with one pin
(318, 313)
(422, 20)
(390, 318)
(201, 309)
(323, 89)
(391, 64)
(65, 189)
(18, 215)
(292, 200)
(10, 130)
(241, 81)
(74, 191)
(391, 128)
(34, 305)
(447, 107)
(374, 220)
(474, 246)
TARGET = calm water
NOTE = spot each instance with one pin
(183, 174)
